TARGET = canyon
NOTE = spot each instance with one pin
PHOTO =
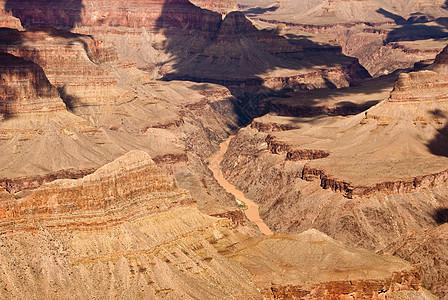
(383, 36)
(223, 149)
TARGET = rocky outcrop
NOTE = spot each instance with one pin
(8, 21)
(277, 147)
(138, 177)
(57, 52)
(14, 185)
(25, 88)
(128, 218)
(180, 14)
(394, 187)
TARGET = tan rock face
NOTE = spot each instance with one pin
(25, 88)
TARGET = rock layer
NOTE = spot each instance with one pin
(128, 228)
(25, 88)
(382, 177)
(57, 52)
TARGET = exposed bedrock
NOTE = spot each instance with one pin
(383, 36)
(368, 180)
(128, 228)
(428, 252)
(25, 88)
(57, 52)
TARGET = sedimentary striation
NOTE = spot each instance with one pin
(384, 37)
(25, 88)
(128, 228)
(57, 52)
(353, 174)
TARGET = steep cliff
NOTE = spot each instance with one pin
(179, 14)
(57, 52)
(25, 88)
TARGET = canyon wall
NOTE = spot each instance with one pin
(25, 88)
(128, 228)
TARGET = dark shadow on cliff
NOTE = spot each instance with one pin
(54, 13)
(439, 144)
(255, 11)
(253, 64)
(340, 102)
(416, 32)
(441, 216)
(12, 39)
(399, 20)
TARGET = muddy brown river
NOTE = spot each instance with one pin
(252, 208)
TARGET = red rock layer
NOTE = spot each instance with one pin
(277, 147)
(390, 187)
(70, 61)
(92, 13)
(14, 185)
(25, 88)
(353, 289)
(130, 186)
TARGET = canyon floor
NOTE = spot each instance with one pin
(223, 150)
